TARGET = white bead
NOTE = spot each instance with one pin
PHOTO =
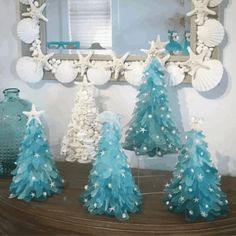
(123, 215)
(109, 185)
(149, 116)
(145, 148)
(86, 187)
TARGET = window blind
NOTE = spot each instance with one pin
(90, 22)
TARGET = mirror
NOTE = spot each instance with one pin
(116, 25)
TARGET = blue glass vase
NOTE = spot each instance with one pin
(12, 128)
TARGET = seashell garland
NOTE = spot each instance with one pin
(29, 70)
(98, 76)
(66, 72)
(207, 79)
(211, 33)
(28, 30)
(175, 74)
(214, 3)
(134, 75)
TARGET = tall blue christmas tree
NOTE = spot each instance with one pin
(111, 189)
(195, 189)
(152, 130)
(36, 176)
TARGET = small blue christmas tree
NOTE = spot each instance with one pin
(36, 176)
(111, 189)
(194, 189)
(152, 131)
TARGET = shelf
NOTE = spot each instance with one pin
(64, 215)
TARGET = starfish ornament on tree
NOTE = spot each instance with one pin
(84, 63)
(33, 114)
(118, 65)
(36, 11)
(41, 58)
(194, 63)
(201, 10)
(156, 50)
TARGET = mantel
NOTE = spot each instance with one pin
(64, 215)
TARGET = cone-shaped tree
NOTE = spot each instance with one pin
(111, 189)
(82, 137)
(36, 176)
(152, 131)
(195, 189)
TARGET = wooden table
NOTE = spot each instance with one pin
(63, 214)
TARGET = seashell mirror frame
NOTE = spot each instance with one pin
(202, 68)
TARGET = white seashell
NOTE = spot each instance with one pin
(26, 2)
(65, 72)
(28, 30)
(135, 75)
(176, 75)
(211, 33)
(207, 79)
(29, 70)
(214, 3)
(98, 76)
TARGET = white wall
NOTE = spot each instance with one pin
(217, 107)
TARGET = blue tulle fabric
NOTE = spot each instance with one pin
(151, 130)
(111, 189)
(36, 176)
(195, 189)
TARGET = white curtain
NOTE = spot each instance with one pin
(90, 22)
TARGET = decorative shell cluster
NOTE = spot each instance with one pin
(206, 73)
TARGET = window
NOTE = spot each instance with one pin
(90, 22)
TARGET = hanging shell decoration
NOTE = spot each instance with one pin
(211, 33)
(28, 30)
(29, 70)
(66, 72)
(205, 72)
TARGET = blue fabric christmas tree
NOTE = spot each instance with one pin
(152, 131)
(195, 187)
(36, 176)
(111, 189)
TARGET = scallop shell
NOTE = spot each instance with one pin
(65, 72)
(135, 75)
(28, 30)
(207, 79)
(29, 70)
(214, 3)
(98, 76)
(175, 75)
(211, 33)
(26, 2)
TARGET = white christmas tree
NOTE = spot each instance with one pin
(82, 137)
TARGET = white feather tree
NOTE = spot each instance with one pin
(82, 137)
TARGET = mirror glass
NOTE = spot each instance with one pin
(116, 25)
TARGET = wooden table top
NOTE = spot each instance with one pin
(64, 215)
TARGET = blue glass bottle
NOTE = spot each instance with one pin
(12, 128)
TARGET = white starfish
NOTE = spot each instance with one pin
(36, 12)
(118, 64)
(200, 177)
(84, 63)
(194, 62)
(52, 184)
(33, 114)
(201, 10)
(41, 58)
(143, 130)
(156, 51)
